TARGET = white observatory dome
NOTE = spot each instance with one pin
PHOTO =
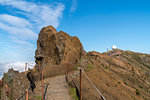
(114, 47)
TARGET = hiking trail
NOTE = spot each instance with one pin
(58, 88)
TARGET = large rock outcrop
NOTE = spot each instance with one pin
(117, 74)
(55, 48)
(6, 84)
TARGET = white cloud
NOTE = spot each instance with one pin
(74, 5)
(40, 14)
(14, 21)
(25, 19)
(16, 40)
(20, 66)
(19, 4)
(35, 17)
(22, 33)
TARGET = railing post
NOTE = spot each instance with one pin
(67, 72)
(101, 98)
(42, 84)
(26, 94)
(25, 68)
(80, 84)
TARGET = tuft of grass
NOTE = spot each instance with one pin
(137, 92)
(105, 67)
(81, 59)
(102, 64)
(75, 69)
(39, 97)
(125, 83)
(79, 64)
(140, 86)
(90, 66)
(54, 58)
(145, 98)
(73, 93)
(133, 97)
(0, 93)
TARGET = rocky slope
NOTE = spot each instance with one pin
(118, 74)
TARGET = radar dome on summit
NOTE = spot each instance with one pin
(114, 47)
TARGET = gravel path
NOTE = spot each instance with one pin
(58, 89)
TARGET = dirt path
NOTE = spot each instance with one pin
(58, 89)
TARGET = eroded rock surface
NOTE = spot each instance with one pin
(54, 48)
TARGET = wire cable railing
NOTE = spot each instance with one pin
(93, 85)
(68, 78)
(25, 95)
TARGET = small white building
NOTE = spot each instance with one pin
(114, 47)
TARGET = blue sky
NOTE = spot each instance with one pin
(98, 23)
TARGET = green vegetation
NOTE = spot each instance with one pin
(81, 59)
(137, 92)
(79, 64)
(5, 77)
(105, 67)
(0, 93)
(39, 97)
(90, 66)
(145, 98)
(75, 69)
(9, 83)
(125, 83)
(133, 97)
(136, 57)
(140, 86)
(54, 58)
(73, 93)
(102, 64)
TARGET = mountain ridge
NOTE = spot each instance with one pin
(118, 74)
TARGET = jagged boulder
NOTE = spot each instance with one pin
(11, 74)
(6, 84)
(55, 48)
(1, 83)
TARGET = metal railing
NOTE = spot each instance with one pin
(68, 78)
(25, 94)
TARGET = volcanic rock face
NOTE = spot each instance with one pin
(6, 84)
(117, 74)
(54, 48)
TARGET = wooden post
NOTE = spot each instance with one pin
(80, 84)
(67, 72)
(102, 98)
(42, 85)
(25, 68)
(26, 94)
